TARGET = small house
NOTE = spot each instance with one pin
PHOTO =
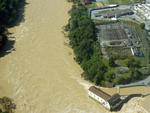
(108, 101)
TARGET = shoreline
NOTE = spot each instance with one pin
(123, 91)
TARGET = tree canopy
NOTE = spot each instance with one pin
(83, 40)
(82, 34)
(9, 13)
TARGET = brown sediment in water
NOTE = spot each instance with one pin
(41, 75)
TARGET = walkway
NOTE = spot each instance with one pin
(145, 82)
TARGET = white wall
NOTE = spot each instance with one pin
(99, 99)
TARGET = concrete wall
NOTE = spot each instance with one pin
(99, 99)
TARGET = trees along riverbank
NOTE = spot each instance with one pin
(83, 40)
(9, 13)
(82, 35)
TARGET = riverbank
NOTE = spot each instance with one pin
(136, 104)
(41, 74)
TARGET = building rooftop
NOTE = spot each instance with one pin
(113, 13)
(100, 93)
(118, 13)
(114, 99)
(142, 10)
(114, 31)
(111, 99)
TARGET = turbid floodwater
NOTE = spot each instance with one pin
(40, 74)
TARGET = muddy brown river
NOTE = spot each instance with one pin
(40, 74)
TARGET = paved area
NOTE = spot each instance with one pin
(102, 1)
(134, 17)
(145, 82)
(98, 10)
(148, 1)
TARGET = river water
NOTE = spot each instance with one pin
(40, 74)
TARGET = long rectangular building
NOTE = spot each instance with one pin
(105, 99)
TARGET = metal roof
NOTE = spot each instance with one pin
(100, 93)
(110, 99)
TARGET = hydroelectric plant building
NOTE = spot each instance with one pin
(109, 102)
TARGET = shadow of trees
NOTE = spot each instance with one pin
(20, 15)
(7, 46)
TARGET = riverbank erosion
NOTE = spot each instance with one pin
(41, 75)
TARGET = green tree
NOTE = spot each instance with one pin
(84, 43)
(112, 62)
(9, 13)
(135, 74)
(132, 63)
(109, 76)
(142, 25)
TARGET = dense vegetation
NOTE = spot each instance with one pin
(82, 35)
(86, 48)
(7, 105)
(3, 36)
(9, 13)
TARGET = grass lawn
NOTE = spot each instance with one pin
(121, 62)
(92, 5)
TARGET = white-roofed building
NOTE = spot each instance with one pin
(142, 10)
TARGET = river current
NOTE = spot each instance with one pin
(40, 73)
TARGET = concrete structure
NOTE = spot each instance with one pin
(138, 12)
(110, 11)
(136, 52)
(132, 50)
(102, 1)
(92, 11)
(145, 82)
(117, 35)
(105, 99)
(147, 1)
(147, 25)
(142, 10)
